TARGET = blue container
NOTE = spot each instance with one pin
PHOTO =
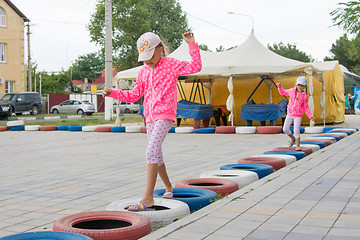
(262, 170)
(298, 154)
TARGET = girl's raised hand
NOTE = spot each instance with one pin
(107, 92)
(313, 118)
(278, 85)
(188, 37)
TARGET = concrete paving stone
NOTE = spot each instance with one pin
(340, 238)
(265, 234)
(344, 232)
(316, 230)
(323, 215)
(291, 213)
(236, 223)
(302, 236)
(200, 228)
(187, 235)
(4, 233)
(307, 221)
(252, 217)
(224, 214)
(275, 227)
(283, 220)
(239, 232)
(222, 237)
(213, 221)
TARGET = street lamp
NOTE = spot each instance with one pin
(252, 19)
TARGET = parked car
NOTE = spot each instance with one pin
(74, 107)
(5, 111)
(127, 107)
(22, 102)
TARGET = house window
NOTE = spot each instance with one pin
(2, 52)
(2, 18)
(9, 86)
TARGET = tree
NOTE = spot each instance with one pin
(132, 18)
(55, 83)
(347, 17)
(347, 52)
(289, 51)
(85, 66)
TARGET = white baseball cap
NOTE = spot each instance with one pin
(301, 80)
(146, 45)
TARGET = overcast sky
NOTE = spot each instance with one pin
(59, 34)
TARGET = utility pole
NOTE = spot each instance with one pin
(108, 58)
(29, 59)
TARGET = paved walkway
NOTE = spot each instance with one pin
(47, 175)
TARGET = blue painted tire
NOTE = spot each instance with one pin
(262, 170)
(328, 129)
(172, 130)
(204, 130)
(195, 198)
(340, 131)
(62, 128)
(302, 129)
(320, 144)
(17, 128)
(118, 129)
(298, 154)
(337, 138)
(47, 235)
(75, 128)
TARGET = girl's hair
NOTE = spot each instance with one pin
(165, 49)
(306, 91)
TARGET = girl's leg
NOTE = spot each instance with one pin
(165, 178)
(286, 129)
(297, 123)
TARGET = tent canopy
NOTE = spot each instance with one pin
(246, 61)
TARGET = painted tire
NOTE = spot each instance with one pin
(118, 129)
(47, 235)
(184, 130)
(269, 129)
(77, 128)
(172, 130)
(337, 138)
(327, 142)
(314, 130)
(32, 128)
(48, 128)
(313, 147)
(225, 129)
(113, 225)
(62, 128)
(3, 128)
(289, 159)
(298, 154)
(331, 139)
(103, 129)
(276, 163)
(195, 198)
(245, 130)
(166, 210)
(352, 130)
(326, 129)
(204, 130)
(339, 131)
(302, 129)
(340, 135)
(15, 123)
(133, 129)
(219, 185)
(306, 150)
(17, 128)
(261, 170)
(88, 128)
(320, 144)
(241, 177)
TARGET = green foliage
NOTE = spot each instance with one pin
(347, 16)
(85, 66)
(204, 47)
(55, 83)
(289, 51)
(347, 52)
(130, 19)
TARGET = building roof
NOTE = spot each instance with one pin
(17, 10)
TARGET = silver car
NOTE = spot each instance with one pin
(74, 107)
(127, 107)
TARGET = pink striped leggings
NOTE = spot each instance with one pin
(156, 132)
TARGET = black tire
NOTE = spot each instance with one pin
(80, 112)
(89, 114)
(35, 110)
(55, 111)
(127, 110)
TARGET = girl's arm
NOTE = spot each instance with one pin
(307, 110)
(127, 96)
(282, 91)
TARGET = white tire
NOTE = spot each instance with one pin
(289, 159)
(313, 147)
(241, 177)
(15, 123)
(89, 128)
(314, 129)
(245, 130)
(184, 130)
(331, 139)
(32, 128)
(133, 129)
(167, 210)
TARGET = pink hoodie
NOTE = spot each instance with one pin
(297, 103)
(159, 85)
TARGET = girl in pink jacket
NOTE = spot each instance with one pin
(297, 104)
(157, 81)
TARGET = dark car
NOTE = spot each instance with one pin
(22, 102)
